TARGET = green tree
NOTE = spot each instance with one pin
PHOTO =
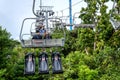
(6, 52)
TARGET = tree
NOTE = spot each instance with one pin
(6, 51)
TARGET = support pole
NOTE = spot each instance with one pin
(47, 19)
(40, 5)
(70, 13)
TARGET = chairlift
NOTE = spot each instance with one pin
(39, 43)
(28, 41)
(42, 43)
(80, 24)
(29, 67)
(115, 23)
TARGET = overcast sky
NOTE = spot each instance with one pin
(12, 12)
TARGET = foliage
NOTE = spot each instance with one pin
(87, 55)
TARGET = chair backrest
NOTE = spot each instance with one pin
(29, 67)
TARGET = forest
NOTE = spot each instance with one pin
(87, 55)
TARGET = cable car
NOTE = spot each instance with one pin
(29, 64)
(115, 11)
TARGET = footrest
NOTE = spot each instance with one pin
(43, 72)
(57, 72)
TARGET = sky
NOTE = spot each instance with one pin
(12, 12)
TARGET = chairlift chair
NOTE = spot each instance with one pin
(115, 23)
(30, 43)
(29, 68)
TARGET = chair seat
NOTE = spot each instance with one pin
(43, 43)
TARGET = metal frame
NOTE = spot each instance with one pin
(115, 23)
(43, 42)
(33, 9)
(75, 17)
(45, 9)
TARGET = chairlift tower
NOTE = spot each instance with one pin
(115, 23)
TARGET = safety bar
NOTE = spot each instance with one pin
(20, 36)
(33, 9)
